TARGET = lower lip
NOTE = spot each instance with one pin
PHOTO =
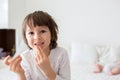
(41, 45)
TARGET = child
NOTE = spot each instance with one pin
(44, 60)
(110, 69)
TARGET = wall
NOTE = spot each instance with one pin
(94, 21)
(3, 13)
(91, 21)
(16, 13)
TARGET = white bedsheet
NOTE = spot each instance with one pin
(84, 72)
(78, 72)
(5, 74)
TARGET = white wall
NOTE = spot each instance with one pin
(3, 13)
(91, 21)
(16, 13)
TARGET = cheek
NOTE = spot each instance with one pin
(28, 39)
(49, 37)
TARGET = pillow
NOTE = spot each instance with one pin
(84, 53)
(104, 54)
(115, 53)
(109, 54)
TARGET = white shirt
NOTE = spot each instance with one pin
(59, 61)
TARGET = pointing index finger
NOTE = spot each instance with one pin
(41, 51)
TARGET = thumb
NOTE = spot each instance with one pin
(6, 60)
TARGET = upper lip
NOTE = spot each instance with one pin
(38, 43)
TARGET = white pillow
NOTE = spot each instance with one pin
(115, 53)
(84, 53)
(104, 54)
(109, 54)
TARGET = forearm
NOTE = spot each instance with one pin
(21, 77)
(51, 75)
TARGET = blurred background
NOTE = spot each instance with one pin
(85, 21)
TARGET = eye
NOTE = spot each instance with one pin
(42, 31)
(31, 33)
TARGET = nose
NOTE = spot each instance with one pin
(37, 36)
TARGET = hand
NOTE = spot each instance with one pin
(41, 58)
(43, 62)
(14, 64)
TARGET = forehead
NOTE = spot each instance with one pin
(36, 27)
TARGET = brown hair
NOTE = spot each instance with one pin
(40, 18)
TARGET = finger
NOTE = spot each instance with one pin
(39, 51)
(15, 58)
(42, 52)
(6, 60)
(39, 54)
(36, 60)
(12, 63)
(38, 57)
(16, 65)
(36, 50)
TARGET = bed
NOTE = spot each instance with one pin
(78, 72)
(5, 73)
(83, 57)
(84, 72)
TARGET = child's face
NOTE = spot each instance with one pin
(38, 36)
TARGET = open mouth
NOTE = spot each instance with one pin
(39, 44)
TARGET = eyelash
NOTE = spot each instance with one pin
(42, 31)
(30, 33)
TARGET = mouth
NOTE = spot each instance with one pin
(39, 44)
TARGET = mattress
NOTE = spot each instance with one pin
(84, 72)
(78, 72)
(5, 74)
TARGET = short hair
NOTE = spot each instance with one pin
(40, 18)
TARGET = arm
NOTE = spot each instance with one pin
(14, 65)
(64, 68)
(44, 64)
(21, 77)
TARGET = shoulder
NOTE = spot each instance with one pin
(59, 52)
(61, 55)
(61, 49)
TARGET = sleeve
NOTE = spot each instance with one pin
(64, 68)
(24, 65)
